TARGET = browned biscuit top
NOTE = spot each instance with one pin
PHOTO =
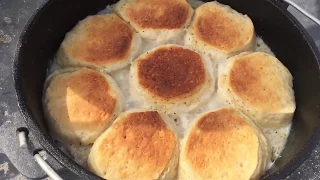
(161, 14)
(222, 145)
(255, 80)
(81, 100)
(171, 72)
(139, 144)
(100, 40)
(218, 28)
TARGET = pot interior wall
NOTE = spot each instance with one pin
(46, 31)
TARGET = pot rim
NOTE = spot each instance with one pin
(67, 162)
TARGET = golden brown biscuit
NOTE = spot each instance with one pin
(158, 20)
(102, 42)
(219, 31)
(80, 104)
(139, 145)
(171, 78)
(223, 145)
(260, 86)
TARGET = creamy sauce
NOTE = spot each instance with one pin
(277, 137)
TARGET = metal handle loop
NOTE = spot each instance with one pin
(310, 16)
(42, 163)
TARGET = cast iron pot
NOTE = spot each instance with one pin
(287, 38)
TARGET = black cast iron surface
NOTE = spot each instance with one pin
(13, 16)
